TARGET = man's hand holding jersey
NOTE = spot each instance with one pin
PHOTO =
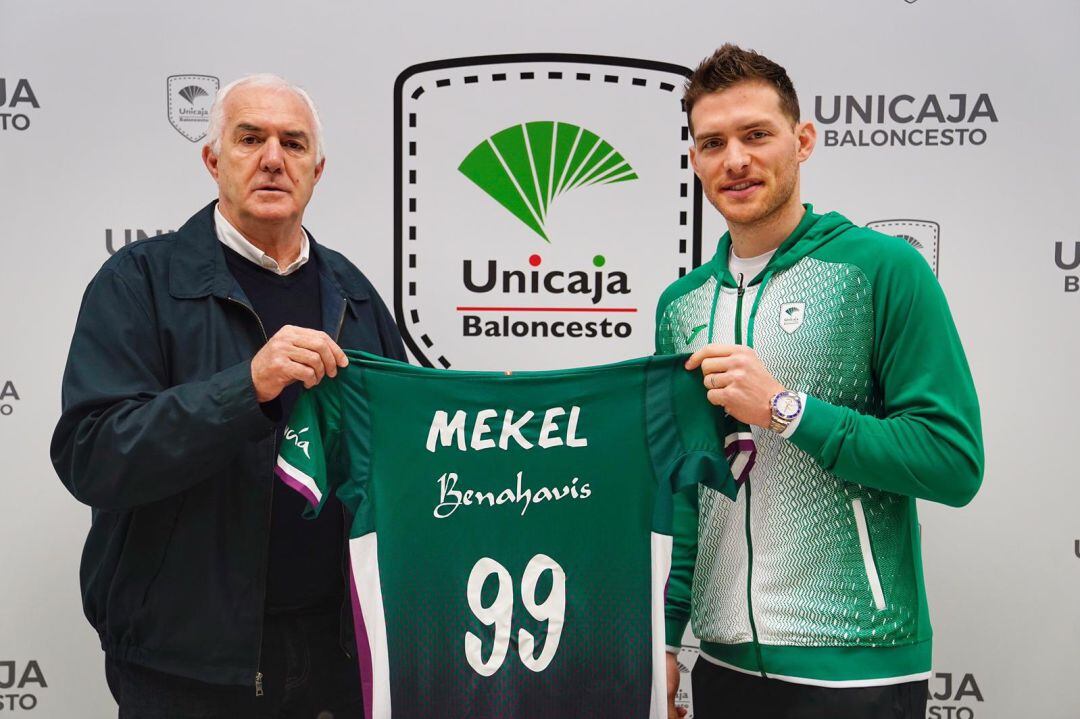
(737, 381)
(294, 354)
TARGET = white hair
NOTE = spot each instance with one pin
(217, 110)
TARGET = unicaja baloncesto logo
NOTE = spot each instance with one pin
(525, 168)
(792, 315)
(923, 235)
(190, 98)
(534, 208)
(957, 119)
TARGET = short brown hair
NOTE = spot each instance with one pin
(730, 65)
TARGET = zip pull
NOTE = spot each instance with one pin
(738, 311)
(258, 684)
(341, 319)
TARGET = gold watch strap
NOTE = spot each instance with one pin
(778, 425)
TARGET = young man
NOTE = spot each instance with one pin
(834, 349)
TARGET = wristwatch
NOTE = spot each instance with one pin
(786, 407)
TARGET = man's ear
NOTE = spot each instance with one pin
(806, 136)
(693, 160)
(210, 160)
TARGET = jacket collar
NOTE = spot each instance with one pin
(198, 268)
(782, 258)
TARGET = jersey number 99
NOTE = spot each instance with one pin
(500, 612)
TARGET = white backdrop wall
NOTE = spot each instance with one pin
(87, 151)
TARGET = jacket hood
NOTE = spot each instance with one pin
(812, 232)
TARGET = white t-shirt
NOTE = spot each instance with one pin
(745, 269)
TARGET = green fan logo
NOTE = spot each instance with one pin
(525, 167)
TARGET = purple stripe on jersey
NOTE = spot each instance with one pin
(363, 646)
(740, 445)
(745, 474)
(297, 485)
(744, 448)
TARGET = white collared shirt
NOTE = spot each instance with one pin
(235, 241)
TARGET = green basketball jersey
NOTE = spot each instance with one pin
(511, 537)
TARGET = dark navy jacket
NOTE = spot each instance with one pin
(162, 436)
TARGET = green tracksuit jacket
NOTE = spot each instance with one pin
(813, 573)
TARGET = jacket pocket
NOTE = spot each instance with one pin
(872, 577)
(146, 546)
(167, 528)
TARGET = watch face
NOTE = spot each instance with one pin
(787, 405)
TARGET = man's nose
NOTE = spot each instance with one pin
(736, 159)
(272, 155)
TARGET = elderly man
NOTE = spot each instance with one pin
(211, 595)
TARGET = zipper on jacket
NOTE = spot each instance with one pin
(341, 319)
(749, 582)
(270, 508)
(253, 313)
(738, 310)
(261, 614)
(749, 538)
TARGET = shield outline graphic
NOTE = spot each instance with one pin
(926, 232)
(421, 346)
(169, 92)
(790, 326)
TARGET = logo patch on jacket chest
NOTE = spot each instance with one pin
(792, 315)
